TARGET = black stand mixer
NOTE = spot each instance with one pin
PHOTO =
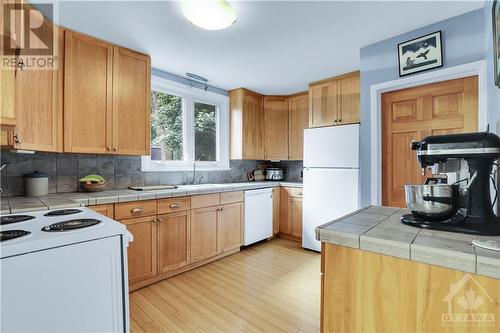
(464, 206)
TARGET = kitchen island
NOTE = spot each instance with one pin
(380, 275)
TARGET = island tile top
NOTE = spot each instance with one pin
(379, 229)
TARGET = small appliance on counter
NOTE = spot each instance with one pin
(36, 184)
(465, 205)
(256, 175)
(275, 174)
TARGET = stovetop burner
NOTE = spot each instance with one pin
(61, 212)
(12, 234)
(71, 225)
(15, 218)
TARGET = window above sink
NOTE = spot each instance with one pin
(188, 126)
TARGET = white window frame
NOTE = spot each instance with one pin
(189, 97)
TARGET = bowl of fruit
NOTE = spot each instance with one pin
(93, 183)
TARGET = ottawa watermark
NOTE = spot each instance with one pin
(29, 36)
(467, 301)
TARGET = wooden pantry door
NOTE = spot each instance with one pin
(414, 113)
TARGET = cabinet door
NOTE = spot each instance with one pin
(296, 216)
(350, 100)
(285, 225)
(39, 105)
(230, 227)
(276, 210)
(87, 94)
(275, 128)
(324, 103)
(131, 102)
(142, 263)
(252, 130)
(173, 241)
(7, 102)
(106, 210)
(204, 243)
(298, 113)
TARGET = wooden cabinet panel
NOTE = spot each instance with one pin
(205, 200)
(246, 125)
(7, 102)
(127, 210)
(324, 103)
(291, 212)
(142, 260)
(204, 242)
(230, 197)
(172, 205)
(275, 128)
(276, 210)
(173, 241)
(350, 100)
(106, 210)
(88, 86)
(230, 227)
(298, 119)
(131, 102)
(39, 106)
(296, 216)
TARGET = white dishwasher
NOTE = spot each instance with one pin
(258, 223)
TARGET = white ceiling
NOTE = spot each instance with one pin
(273, 48)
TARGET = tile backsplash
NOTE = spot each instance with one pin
(120, 171)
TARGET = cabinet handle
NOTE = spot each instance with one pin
(175, 205)
(108, 148)
(17, 139)
(137, 210)
(115, 149)
(158, 220)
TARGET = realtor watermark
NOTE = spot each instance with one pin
(467, 300)
(29, 36)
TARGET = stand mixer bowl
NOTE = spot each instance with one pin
(433, 202)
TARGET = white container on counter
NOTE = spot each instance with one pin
(36, 184)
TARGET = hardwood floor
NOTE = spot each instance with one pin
(270, 287)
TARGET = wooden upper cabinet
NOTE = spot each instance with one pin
(142, 259)
(39, 105)
(298, 120)
(173, 241)
(275, 128)
(324, 103)
(7, 102)
(246, 125)
(335, 101)
(204, 235)
(88, 82)
(131, 102)
(350, 100)
(230, 227)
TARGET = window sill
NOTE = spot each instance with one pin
(153, 166)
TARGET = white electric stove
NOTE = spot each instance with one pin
(63, 270)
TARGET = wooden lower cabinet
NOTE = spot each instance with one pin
(106, 210)
(369, 292)
(290, 221)
(230, 228)
(142, 258)
(173, 241)
(276, 210)
(204, 243)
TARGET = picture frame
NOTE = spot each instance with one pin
(495, 12)
(420, 54)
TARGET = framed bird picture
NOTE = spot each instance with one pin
(420, 54)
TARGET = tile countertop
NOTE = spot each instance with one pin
(379, 229)
(66, 200)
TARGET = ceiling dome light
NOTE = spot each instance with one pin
(209, 14)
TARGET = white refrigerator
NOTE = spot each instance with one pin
(331, 177)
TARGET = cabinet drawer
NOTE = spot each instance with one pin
(172, 205)
(135, 209)
(205, 200)
(295, 192)
(106, 210)
(230, 197)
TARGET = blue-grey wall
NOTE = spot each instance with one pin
(463, 40)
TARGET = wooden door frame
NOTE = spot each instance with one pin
(376, 90)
